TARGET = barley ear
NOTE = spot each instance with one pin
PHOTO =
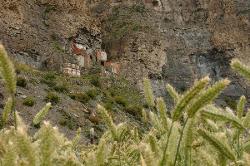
(41, 114)
(7, 110)
(155, 122)
(25, 147)
(219, 145)
(144, 116)
(108, 121)
(100, 154)
(148, 92)
(246, 147)
(143, 163)
(21, 126)
(10, 157)
(76, 139)
(7, 71)
(211, 112)
(148, 155)
(188, 96)
(173, 93)
(161, 107)
(47, 144)
(240, 68)
(187, 141)
(173, 144)
(240, 106)
(153, 144)
(207, 97)
(246, 121)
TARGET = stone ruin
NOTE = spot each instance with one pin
(111, 68)
(86, 51)
(71, 69)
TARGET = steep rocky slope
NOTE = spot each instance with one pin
(180, 41)
(170, 41)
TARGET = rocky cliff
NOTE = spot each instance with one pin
(170, 41)
(178, 42)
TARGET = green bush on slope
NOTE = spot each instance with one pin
(195, 132)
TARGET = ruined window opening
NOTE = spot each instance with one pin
(155, 3)
(102, 63)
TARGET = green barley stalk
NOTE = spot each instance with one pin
(181, 105)
(41, 114)
(153, 144)
(143, 162)
(209, 95)
(10, 157)
(202, 100)
(246, 121)
(187, 97)
(47, 144)
(25, 147)
(222, 147)
(240, 106)
(173, 93)
(240, 68)
(211, 112)
(148, 92)
(108, 121)
(7, 71)
(161, 107)
(7, 110)
(187, 142)
(76, 139)
(100, 153)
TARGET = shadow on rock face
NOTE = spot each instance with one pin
(216, 63)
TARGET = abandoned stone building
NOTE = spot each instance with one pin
(72, 70)
(88, 53)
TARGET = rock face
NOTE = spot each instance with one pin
(186, 40)
(169, 41)
(39, 32)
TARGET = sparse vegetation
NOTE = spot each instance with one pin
(81, 97)
(61, 87)
(194, 132)
(52, 97)
(120, 100)
(68, 121)
(21, 81)
(49, 79)
(135, 110)
(95, 80)
(92, 93)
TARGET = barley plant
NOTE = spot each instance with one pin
(195, 131)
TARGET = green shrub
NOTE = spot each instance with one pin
(21, 81)
(121, 100)
(81, 97)
(67, 121)
(134, 110)
(109, 105)
(92, 93)
(29, 101)
(62, 88)
(50, 76)
(49, 79)
(95, 81)
(52, 97)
